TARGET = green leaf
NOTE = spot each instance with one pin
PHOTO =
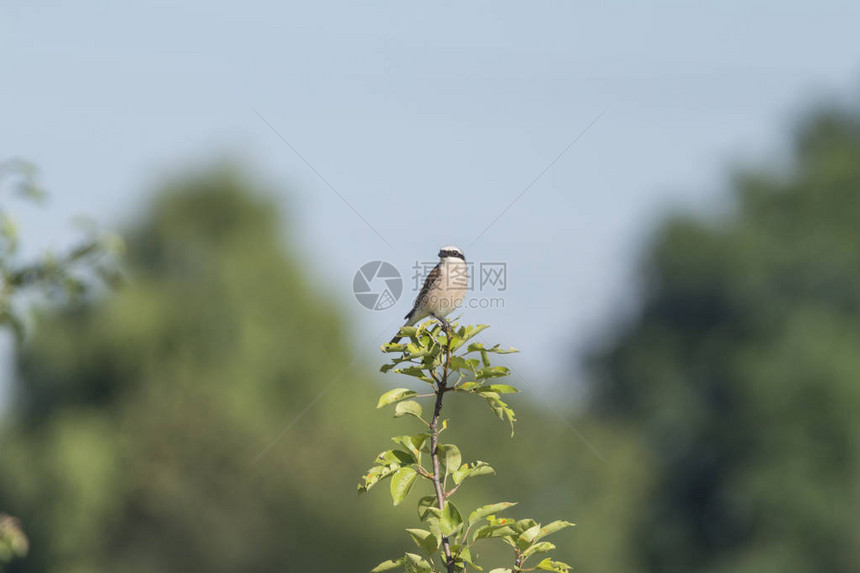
(464, 555)
(413, 351)
(424, 539)
(497, 527)
(501, 570)
(468, 387)
(500, 408)
(512, 417)
(413, 443)
(410, 407)
(459, 363)
(424, 504)
(401, 483)
(375, 475)
(486, 510)
(471, 331)
(551, 528)
(451, 457)
(492, 372)
(398, 457)
(541, 547)
(395, 395)
(523, 524)
(500, 389)
(471, 470)
(392, 347)
(416, 564)
(526, 537)
(494, 530)
(497, 349)
(408, 331)
(388, 565)
(435, 529)
(450, 520)
(415, 372)
(556, 566)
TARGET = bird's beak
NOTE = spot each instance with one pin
(440, 254)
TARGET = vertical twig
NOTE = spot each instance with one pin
(441, 388)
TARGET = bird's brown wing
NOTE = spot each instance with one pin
(432, 278)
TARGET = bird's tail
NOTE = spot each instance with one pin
(409, 322)
(397, 336)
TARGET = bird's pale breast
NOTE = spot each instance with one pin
(451, 288)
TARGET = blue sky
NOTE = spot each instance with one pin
(429, 119)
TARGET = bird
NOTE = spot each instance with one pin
(444, 288)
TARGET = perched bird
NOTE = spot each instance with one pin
(444, 288)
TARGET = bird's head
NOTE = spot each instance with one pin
(451, 251)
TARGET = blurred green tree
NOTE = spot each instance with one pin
(741, 372)
(139, 420)
(64, 278)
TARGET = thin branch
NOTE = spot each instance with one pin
(447, 328)
(465, 537)
(441, 388)
(459, 381)
(453, 489)
(424, 473)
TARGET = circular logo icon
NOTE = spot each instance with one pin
(377, 285)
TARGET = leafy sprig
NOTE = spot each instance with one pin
(441, 355)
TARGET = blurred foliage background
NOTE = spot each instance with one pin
(724, 411)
